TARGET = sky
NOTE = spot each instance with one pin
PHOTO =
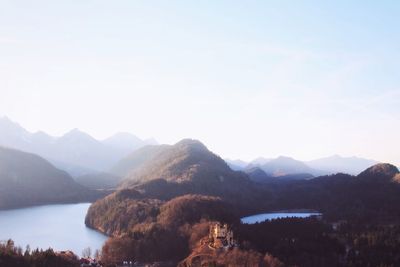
(305, 79)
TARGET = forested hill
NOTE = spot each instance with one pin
(188, 167)
(373, 195)
(187, 160)
(27, 179)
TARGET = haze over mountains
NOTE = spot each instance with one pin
(76, 152)
(336, 163)
(286, 166)
(27, 179)
(80, 154)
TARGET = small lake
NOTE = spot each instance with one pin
(277, 215)
(61, 227)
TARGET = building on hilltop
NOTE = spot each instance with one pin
(221, 236)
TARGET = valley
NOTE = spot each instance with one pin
(158, 204)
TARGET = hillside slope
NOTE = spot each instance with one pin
(27, 179)
(188, 167)
(136, 159)
(373, 195)
(186, 161)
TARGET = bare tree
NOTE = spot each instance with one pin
(87, 252)
(97, 254)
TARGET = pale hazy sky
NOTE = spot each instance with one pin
(248, 78)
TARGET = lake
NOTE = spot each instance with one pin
(61, 227)
(276, 215)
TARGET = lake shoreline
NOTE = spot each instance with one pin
(45, 204)
(269, 216)
(57, 226)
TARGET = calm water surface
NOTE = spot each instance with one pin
(61, 227)
(277, 215)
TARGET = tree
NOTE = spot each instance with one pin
(87, 252)
(97, 255)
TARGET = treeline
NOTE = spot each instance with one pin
(372, 245)
(311, 242)
(12, 256)
(342, 197)
(296, 241)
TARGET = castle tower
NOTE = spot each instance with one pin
(220, 236)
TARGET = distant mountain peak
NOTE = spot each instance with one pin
(283, 165)
(191, 143)
(285, 158)
(7, 119)
(236, 164)
(188, 141)
(337, 163)
(76, 133)
(124, 135)
(7, 124)
(337, 156)
(259, 161)
(75, 150)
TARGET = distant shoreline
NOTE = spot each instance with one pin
(295, 211)
(43, 204)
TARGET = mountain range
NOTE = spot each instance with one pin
(154, 162)
(76, 151)
(286, 166)
(103, 164)
(336, 164)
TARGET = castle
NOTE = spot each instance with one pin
(220, 236)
